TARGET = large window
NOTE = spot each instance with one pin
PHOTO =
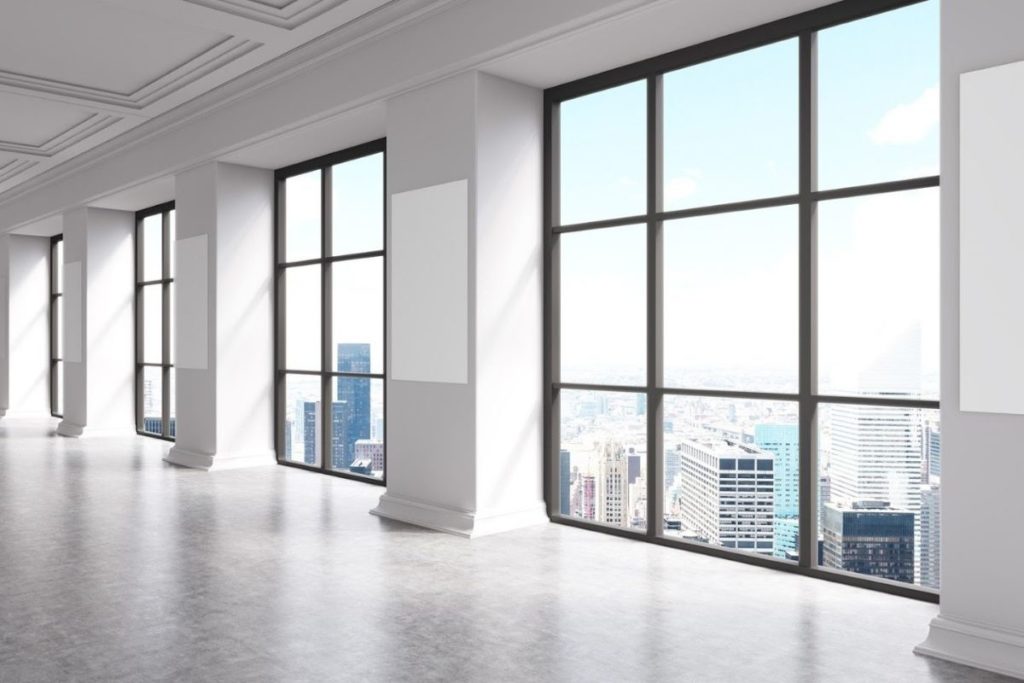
(56, 326)
(330, 314)
(742, 297)
(154, 320)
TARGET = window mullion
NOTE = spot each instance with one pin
(807, 312)
(655, 286)
(326, 323)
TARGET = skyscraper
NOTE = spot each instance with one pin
(869, 538)
(352, 417)
(930, 543)
(310, 429)
(564, 476)
(933, 448)
(783, 440)
(372, 450)
(727, 494)
(613, 483)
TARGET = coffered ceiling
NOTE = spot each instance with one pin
(77, 73)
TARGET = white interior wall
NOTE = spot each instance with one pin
(982, 609)
(28, 334)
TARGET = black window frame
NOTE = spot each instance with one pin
(165, 282)
(324, 261)
(56, 328)
(804, 27)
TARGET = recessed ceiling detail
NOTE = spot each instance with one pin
(82, 130)
(281, 13)
(211, 59)
(14, 167)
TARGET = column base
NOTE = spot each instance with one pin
(74, 430)
(218, 461)
(973, 645)
(458, 522)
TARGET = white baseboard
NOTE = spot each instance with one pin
(219, 461)
(74, 430)
(459, 522)
(981, 647)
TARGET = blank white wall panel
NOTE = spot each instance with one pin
(73, 332)
(992, 240)
(191, 303)
(429, 284)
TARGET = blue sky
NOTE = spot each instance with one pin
(730, 135)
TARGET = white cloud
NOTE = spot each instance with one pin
(679, 188)
(908, 123)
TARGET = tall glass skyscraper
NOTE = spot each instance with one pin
(351, 416)
(783, 440)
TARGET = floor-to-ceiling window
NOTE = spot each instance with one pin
(743, 297)
(330, 294)
(154, 321)
(56, 326)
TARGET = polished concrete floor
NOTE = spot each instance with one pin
(117, 567)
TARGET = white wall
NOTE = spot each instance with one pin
(224, 402)
(99, 388)
(28, 333)
(982, 609)
(509, 267)
(466, 457)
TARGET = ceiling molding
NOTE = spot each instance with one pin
(209, 60)
(84, 129)
(289, 15)
(13, 168)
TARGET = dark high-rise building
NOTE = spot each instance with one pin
(310, 420)
(633, 466)
(563, 481)
(351, 414)
(869, 538)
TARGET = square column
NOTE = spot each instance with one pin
(24, 328)
(465, 411)
(223, 317)
(98, 325)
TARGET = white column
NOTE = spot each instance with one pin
(465, 438)
(24, 335)
(981, 618)
(99, 323)
(223, 332)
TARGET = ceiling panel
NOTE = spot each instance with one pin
(95, 45)
(32, 122)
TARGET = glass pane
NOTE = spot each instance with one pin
(603, 308)
(602, 457)
(731, 128)
(58, 267)
(172, 236)
(358, 301)
(732, 473)
(878, 505)
(878, 295)
(604, 154)
(152, 248)
(152, 400)
(302, 424)
(357, 426)
(58, 381)
(302, 323)
(731, 301)
(171, 409)
(152, 324)
(58, 323)
(877, 122)
(357, 205)
(302, 217)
